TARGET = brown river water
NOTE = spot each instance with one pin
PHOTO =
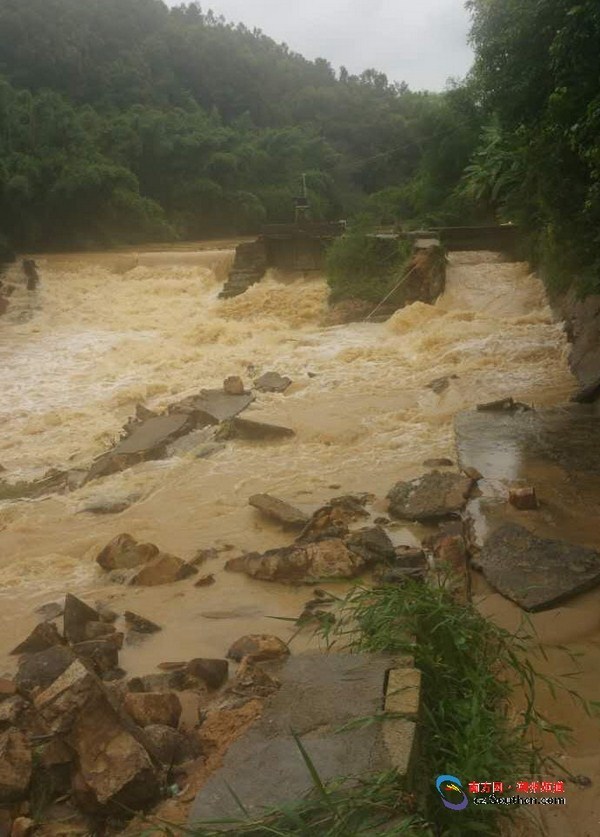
(106, 331)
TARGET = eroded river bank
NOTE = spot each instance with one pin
(104, 333)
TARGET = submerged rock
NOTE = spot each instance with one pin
(164, 569)
(272, 382)
(537, 573)
(430, 497)
(140, 624)
(279, 510)
(503, 405)
(125, 553)
(238, 428)
(258, 647)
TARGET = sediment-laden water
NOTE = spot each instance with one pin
(104, 332)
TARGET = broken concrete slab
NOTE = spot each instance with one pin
(149, 440)
(272, 382)
(537, 573)
(215, 404)
(430, 497)
(319, 695)
(279, 510)
(253, 431)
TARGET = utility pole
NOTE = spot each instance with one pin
(301, 203)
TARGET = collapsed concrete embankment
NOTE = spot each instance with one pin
(582, 324)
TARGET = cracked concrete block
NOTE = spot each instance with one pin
(403, 695)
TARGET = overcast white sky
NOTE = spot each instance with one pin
(422, 42)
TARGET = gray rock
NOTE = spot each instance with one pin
(587, 394)
(110, 505)
(50, 610)
(430, 497)
(279, 510)
(140, 624)
(537, 573)
(101, 654)
(372, 544)
(44, 636)
(272, 382)
(43, 668)
(503, 405)
(76, 616)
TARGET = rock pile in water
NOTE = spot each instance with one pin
(90, 746)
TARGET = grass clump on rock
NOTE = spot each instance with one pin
(478, 722)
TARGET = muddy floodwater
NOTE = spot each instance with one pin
(105, 332)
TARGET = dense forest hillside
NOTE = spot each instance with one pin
(127, 120)
(123, 120)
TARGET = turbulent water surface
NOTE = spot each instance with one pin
(104, 332)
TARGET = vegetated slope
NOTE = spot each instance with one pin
(537, 78)
(124, 120)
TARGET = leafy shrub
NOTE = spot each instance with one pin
(363, 266)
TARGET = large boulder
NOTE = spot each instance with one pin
(279, 510)
(328, 558)
(164, 569)
(15, 766)
(431, 497)
(125, 553)
(153, 708)
(43, 668)
(150, 566)
(77, 615)
(537, 573)
(44, 636)
(114, 766)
